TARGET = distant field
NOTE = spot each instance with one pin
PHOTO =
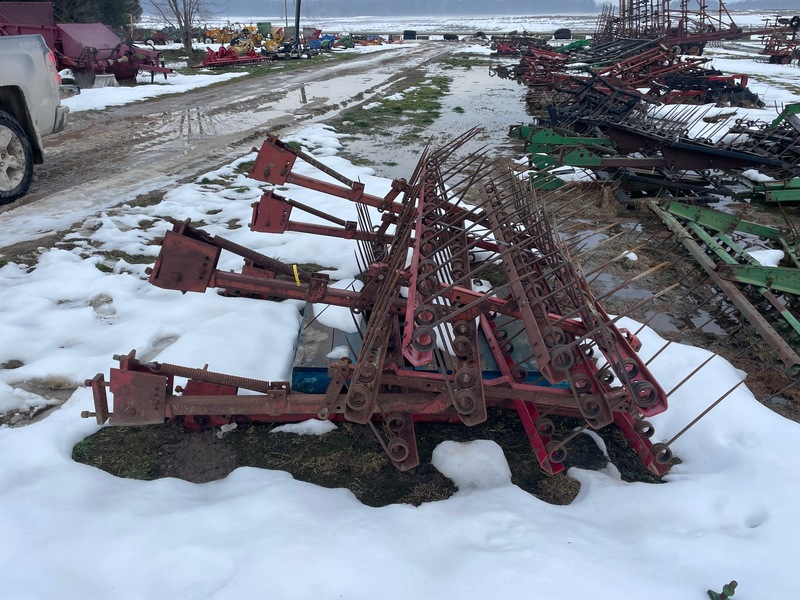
(487, 24)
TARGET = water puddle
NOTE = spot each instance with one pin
(475, 99)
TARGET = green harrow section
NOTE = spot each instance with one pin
(766, 297)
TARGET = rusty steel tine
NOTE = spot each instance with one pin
(644, 302)
(704, 413)
(651, 221)
(364, 258)
(471, 273)
(439, 155)
(444, 152)
(609, 262)
(575, 433)
(791, 384)
(639, 304)
(722, 125)
(480, 171)
(665, 346)
(472, 242)
(318, 213)
(573, 246)
(647, 322)
(361, 267)
(480, 219)
(692, 374)
(630, 280)
(566, 317)
(572, 283)
(566, 204)
(569, 243)
(365, 252)
(736, 330)
(462, 309)
(713, 318)
(676, 244)
(484, 165)
(583, 254)
(366, 224)
(545, 274)
(572, 214)
(686, 295)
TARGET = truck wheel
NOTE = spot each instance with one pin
(16, 159)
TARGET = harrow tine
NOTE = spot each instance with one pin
(633, 278)
(599, 269)
(702, 414)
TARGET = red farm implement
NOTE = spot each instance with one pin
(437, 343)
(88, 49)
(782, 45)
(685, 27)
(230, 57)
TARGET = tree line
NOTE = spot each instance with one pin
(114, 13)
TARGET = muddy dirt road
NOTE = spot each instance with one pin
(114, 155)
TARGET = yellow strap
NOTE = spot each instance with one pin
(296, 275)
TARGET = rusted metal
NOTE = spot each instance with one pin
(448, 349)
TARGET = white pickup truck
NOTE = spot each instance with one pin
(30, 108)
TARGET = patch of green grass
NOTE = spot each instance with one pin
(464, 62)
(146, 224)
(459, 110)
(453, 63)
(312, 268)
(296, 146)
(214, 211)
(103, 268)
(149, 199)
(243, 168)
(305, 268)
(120, 459)
(419, 107)
(391, 163)
(134, 259)
(234, 224)
(349, 456)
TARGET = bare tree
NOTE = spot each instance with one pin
(184, 16)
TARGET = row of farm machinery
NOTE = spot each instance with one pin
(642, 114)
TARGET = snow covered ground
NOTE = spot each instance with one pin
(728, 511)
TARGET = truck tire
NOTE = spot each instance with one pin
(16, 159)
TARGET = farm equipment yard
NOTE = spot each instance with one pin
(508, 299)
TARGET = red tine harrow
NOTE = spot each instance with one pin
(535, 341)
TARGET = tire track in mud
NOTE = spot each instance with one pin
(112, 156)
